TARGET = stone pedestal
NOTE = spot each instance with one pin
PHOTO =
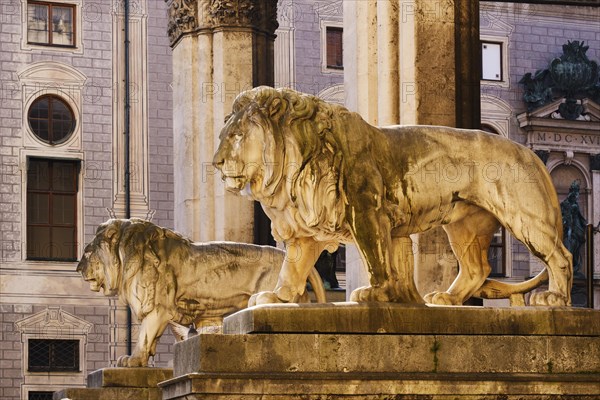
(385, 351)
(120, 383)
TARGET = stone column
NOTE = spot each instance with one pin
(220, 48)
(414, 63)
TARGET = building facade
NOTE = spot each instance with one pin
(62, 128)
(63, 123)
(519, 43)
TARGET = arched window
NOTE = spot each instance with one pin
(51, 119)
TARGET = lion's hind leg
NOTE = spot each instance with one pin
(560, 279)
(470, 239)
(539, 230)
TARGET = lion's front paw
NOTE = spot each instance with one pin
(264, 298)
(548, 298)
(443, 299)
(132, 361)
(369, 293)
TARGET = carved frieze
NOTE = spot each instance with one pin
(188, 16)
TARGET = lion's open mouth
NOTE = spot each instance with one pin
(234, 183)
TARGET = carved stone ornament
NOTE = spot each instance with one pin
(166, 279)
(324, 176)
(187, 16)
(233, 12)
(572, 76)
(183, 18)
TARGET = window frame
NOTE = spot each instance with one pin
(502, 55)
(504, 64)
(52, 344)
(50, 5)
(52, 97)
(324, 26)
(76, 210)
(329, 29)
(76, 48)
(502, 247)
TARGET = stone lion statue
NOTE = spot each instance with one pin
(325, 176)
(166, 279)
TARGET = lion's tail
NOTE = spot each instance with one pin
(317, 285)
(492, 289)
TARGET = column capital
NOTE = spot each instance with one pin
(189, 16)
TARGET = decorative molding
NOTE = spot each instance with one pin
(190, 16)
(53, 323)
(138, 150)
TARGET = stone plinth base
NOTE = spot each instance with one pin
(388, 351)
(120, 383)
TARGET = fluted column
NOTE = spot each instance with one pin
(413, 63)
(220, 48)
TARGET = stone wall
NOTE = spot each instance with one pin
(26, 287)
(535, 34)
(308, 19)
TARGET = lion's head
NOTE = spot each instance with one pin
(118, 252)
(279, 142)
(100, 264)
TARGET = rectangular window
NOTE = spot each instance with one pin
(496, 254)
(52, 187)
(49, 355)
(40, 395)
(50, 24)
(334, 53)
(491, 61)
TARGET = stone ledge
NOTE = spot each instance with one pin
(128, 377)
(108, 394)
(360, 353)
(390, 318)
(382, 386)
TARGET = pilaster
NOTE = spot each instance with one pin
(138, 150)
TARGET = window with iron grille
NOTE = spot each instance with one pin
(52, 209)
(40, 396)
(51, 355)
(51, 24)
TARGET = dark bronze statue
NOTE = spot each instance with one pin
(574, 227)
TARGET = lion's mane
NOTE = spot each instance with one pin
(301, 134)
(134, 246)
